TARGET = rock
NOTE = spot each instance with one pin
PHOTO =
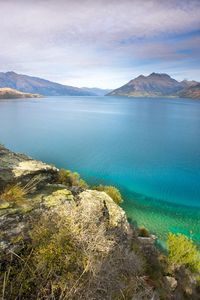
(58, 197)
(92, 206)
(171, 282)
(147, 241)
(101, 205)
(19, 168)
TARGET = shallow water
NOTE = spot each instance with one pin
(150, 148)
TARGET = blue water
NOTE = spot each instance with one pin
(150, 148)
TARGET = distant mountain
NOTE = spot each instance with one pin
(8, 93)
(29, 84)
(188, 83)
(97, 91)
(192, 91)
(154, 85)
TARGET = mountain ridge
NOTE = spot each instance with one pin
(36, 85)
(154, 85)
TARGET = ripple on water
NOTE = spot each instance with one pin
(162, 217)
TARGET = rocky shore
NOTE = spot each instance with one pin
(116, 262)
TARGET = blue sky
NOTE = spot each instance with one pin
(102, 43)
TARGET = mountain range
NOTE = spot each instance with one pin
(156, 85)
(153, 85)
(29, 84)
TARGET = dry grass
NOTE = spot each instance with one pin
(71, 255)
(16, 194)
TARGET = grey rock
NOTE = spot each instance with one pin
(19, 168)
(171, 282)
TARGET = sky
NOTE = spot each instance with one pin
(100, 43)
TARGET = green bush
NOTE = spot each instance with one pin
(71, 178)
(111, 191)
(183, 252)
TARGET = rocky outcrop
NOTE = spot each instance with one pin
(19, 168)
(95, 205)
(103, 208)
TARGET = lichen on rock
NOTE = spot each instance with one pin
(101, 205)
(16, 167)
(57, 198)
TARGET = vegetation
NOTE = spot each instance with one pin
(70, 178)
(70, 256)
(14, 194)
(183, 252)
(143, 232)
(63, 245)
(111, 191)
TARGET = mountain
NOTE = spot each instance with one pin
(29, 84)
(97, 91)
(188, 83)
(153, 85)
(8, 93)
(192, 91)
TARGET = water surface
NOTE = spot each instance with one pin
(150, 148)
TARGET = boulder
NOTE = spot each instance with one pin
(99, 204)
(171, 282)
(19, 168)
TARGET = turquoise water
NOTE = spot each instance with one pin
(150, 148)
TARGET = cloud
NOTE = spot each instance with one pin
(59, 39)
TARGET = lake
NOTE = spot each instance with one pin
(149, 148)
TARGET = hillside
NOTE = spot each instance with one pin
(61, 240)
(191, 92)
(8, 93)
(153, 85)
(29, 84)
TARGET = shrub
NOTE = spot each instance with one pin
(62, 176)
(183, 252)
(70, 256)
(71, 178)
(111, 191)
(143, 232)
